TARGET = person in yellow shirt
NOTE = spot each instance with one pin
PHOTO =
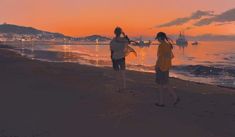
(163, 65)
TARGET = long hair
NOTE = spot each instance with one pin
(163, 36)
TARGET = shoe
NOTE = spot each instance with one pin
(158, 105)
(177, 101)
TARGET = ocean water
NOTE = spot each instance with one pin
(208, 62)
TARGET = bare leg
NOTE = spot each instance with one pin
(161, 100)
(117, 84)
(123, 73)
(172, 92)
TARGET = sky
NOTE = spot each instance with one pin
(136, 17)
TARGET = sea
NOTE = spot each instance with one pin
(208, 62)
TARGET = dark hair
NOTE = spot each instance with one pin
(163, 36)
(118, 31)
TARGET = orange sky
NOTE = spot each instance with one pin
(86, 17)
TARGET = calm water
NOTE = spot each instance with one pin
(208, 62)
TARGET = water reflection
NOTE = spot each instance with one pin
(97, 55)
(22, 48)
(32, 50)
(210, 62)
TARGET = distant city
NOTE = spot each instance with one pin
(14, 33)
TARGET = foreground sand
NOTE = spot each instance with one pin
(40, 99)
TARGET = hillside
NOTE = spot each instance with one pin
(21, 30)
(94, 38)
(10, 31)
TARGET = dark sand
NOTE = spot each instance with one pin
(40, 99)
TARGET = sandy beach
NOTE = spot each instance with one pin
(42, 99)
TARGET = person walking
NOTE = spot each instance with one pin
(163, 65)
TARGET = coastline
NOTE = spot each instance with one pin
(189, 69)
(68, 99)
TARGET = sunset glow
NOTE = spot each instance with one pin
(87, 17)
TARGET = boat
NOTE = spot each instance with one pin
(142, 43)
(195, 43)
(181, 41)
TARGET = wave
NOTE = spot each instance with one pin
(201, 70)
(196, 70)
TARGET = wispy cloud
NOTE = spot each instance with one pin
(223, 23)
(227, 16)
(180, 21)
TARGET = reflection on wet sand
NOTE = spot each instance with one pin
(197, 63)
(96, 55)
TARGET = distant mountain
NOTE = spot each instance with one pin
(8, 28)
(93, 38)
(207, 37)
(211, 37)
(21, 30)
(11, 31)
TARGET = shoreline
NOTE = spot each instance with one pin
(8, 47)
(66, 99)
(208, 74)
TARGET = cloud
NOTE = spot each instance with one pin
(223, 23)
(180, 21)
(227, 16)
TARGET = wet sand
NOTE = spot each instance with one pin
(44, 99)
